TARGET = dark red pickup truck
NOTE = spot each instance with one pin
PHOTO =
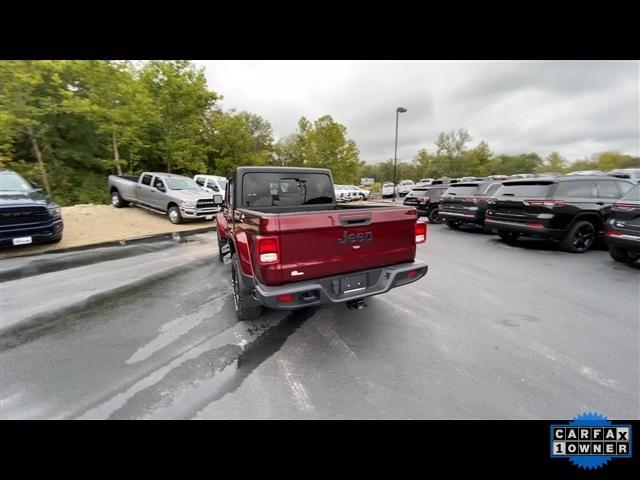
(292, 246)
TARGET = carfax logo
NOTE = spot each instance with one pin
(590, 441)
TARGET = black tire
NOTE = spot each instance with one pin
(434, 216)
(117, 201)
(174, 215)
(453, 224)
(622, 255)
(580, 237)
(247, 307)
(509, 237)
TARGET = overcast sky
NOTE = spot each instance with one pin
(576, 108)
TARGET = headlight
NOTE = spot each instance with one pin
(188, 204)
(54, 211)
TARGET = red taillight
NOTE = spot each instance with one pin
(286, 298)
(411, 273)
(533, 224)
(470, 199)
(421, 232)
(539, 202)
(268, 250)
(613, 233)
(625, 206)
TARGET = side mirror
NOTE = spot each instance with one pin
(161, 188)
(35, 186)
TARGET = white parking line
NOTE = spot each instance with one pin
(298, 391)
(334, 339)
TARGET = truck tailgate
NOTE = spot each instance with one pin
(319, 244)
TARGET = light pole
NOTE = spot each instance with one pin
(399, 110)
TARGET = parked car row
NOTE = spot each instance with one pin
(572, 210)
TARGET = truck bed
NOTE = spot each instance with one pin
(320, 241)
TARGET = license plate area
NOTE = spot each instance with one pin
(353, 283)
(22, 240)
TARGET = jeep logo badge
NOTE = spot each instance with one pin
(363, 237)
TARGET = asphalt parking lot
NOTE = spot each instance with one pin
(493, 332)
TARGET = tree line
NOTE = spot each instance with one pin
(454, 158)
(67, 124)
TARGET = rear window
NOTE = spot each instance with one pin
(274, 189)
(524, 189)
(491, 190)
(461, 189)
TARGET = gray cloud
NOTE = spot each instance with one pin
(575, 108)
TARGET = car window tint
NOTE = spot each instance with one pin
(607, 189)
(157, 183)
(578, 189)
(624, 188)
(146, 179)
(633, 193)
(200, 181)
(492, 189)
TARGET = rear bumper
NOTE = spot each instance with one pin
(464, 217)
(43, 232)
(623, 240)
(524, 229)
(326, 290)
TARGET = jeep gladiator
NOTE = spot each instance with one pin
(291, 245)
(174, 195)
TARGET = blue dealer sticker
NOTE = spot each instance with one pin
(590, 440)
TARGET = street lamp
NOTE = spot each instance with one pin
(399, 110)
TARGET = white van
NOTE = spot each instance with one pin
(211, 183)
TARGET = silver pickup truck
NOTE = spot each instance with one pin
(174, 195)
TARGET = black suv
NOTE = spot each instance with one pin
(26, 215)
(467, 202)
(426, 200)
(571, 210)
(622, 231)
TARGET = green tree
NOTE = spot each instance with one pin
(110, 95)
(30, 96)
(478, 161)
(179, 91)
(239, 139)
(325, 144)
(553, 163)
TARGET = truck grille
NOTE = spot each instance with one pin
(206, 203)
(20, 215)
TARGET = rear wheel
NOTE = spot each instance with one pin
(174, 215)
(508, 237)
(117, 201)
(434, 216)
(453, 224)
(580, 237)
(622, 255)
(247, 307)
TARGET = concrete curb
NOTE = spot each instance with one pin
(15, 268)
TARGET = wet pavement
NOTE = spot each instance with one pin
(493, 331)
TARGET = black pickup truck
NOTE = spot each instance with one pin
(26, 215)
